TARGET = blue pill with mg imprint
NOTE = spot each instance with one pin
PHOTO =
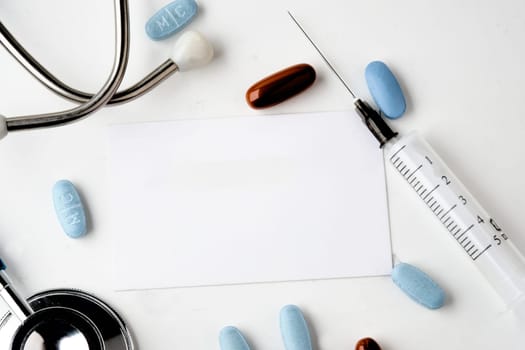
(171, 18)
(418, 286)
(69, 209)
(385, 89)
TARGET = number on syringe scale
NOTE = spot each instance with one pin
(465, 240)
(501, 236)
(460, 197)
(498, 238)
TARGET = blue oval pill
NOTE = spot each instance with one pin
(69, 209)
(385, 89)
(418, 286)
(231, 338)
(294, 329)
(171, 18)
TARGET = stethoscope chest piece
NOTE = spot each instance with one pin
(67, 319)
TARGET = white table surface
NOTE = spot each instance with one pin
(461, 65)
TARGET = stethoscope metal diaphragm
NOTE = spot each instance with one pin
(66, 319)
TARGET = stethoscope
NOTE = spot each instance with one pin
(191, 50)
(68, 319)
(60, 319)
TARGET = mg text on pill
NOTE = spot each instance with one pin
(171, 19)
(69, 209)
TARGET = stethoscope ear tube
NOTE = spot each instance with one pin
(99, 99)
(190, 51)
(49, 80)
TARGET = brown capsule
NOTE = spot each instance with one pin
(367, 344)
(280, 86)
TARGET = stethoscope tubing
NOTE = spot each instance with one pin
(100, 98)
(39, 72)
(108, 94)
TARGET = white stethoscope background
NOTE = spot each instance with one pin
(462, 70)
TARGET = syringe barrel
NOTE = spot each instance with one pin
(482, 239)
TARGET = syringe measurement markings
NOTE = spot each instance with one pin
(429, 193)
(469, 251)
(483, 251)
(415, 171)
(399, 165)
(468, 229)
(435, 206)
(415, 182)
(399, 150)
(467, 245)
(395, 161)
(448, 211)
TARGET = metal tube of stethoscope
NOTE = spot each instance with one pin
(16, 304)
(191, 50)
(57, 86)
(98, 100)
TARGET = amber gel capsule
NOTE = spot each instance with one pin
(280, 86)
(367, 344)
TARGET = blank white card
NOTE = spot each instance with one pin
(249, 199)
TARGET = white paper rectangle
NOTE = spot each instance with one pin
(250, 199)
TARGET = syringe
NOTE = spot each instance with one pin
(477, 233)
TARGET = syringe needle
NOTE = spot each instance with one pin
(373, 121)
(322, 56)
